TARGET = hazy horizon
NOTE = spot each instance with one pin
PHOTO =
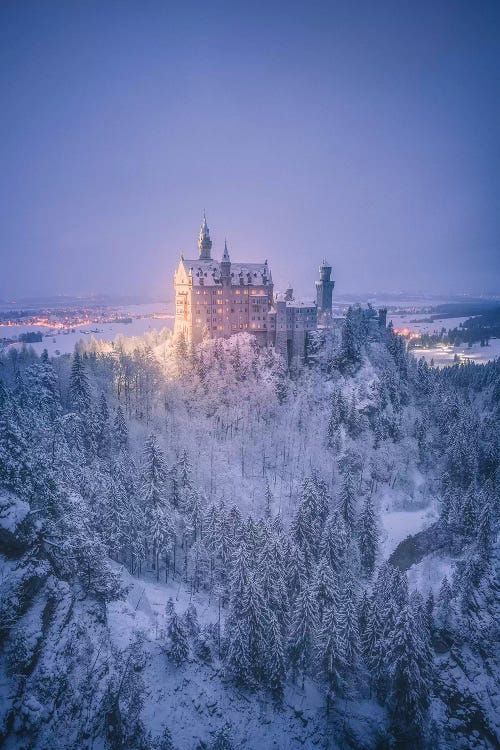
(368, 136)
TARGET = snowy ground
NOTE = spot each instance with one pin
(399, 524)
(420, 323)
(196, 699)
(445, 355)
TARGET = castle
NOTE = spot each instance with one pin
(215, 299)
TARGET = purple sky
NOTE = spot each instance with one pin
(364, 132)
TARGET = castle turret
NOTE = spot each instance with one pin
(324, 288)
(225, 266)
(204, 241)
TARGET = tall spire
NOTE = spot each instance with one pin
(225, 266)
(204, 241)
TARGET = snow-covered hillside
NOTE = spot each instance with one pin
(202, 550)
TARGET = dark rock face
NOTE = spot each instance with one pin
(413, 549)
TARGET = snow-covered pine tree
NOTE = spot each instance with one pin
(347, 501)
(79, 387)
(164, 741)
(329, 654)
(178, 644)
(222, 739)
(348, 626)
(368, 537)
(303, 628)
(325, 588)
(334, 542)
(120, 429)
(409, 687)
(274, 654)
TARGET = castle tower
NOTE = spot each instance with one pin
(324, 288)
(204, 241)
(225, 266)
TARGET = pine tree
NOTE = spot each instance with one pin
(178, 646)
(268, 500)
(363, 615)
(190, 621)
(409, 688)
(103, 432)
(444, 604)
(368, 538)
(181, 351)
(154, 474)
(352, 341)
(274, 655)
(272, 583)
(325, 587)
(334, 543)
(374, 649)
(79, 388)
(237, 656)
(303, 629)
(347, 501)
(14, 467)
(120, 429)
(329, 653)
(296, 573)
(236, 634)
(348, 626)
(162, 534)
(429, 611)
(253, 616)
(222, 739)
(164, 741)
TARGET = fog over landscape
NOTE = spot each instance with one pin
(306, 131)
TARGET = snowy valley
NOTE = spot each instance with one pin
(201, 549)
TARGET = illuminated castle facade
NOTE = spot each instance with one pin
(215, 299)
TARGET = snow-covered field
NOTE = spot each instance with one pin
(63, 342)
(421, 324)
(444, 355)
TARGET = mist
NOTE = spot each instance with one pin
(366, 135)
